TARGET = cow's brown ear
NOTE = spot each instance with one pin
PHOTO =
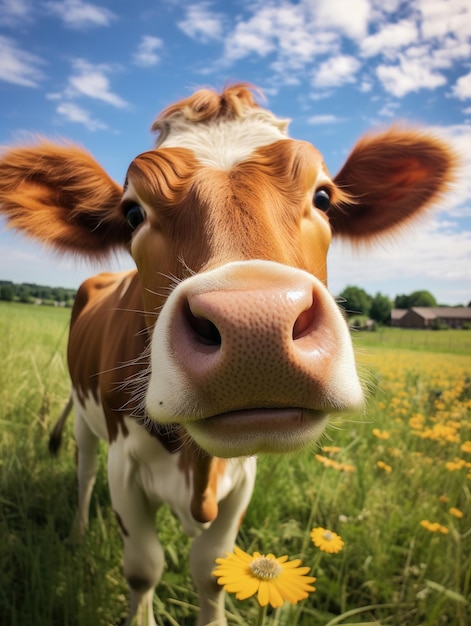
(59, 195)
(391, 177)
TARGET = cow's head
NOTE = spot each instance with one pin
(229, 222)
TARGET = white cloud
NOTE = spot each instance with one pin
(390, 38)
(297, 45)
(408, 53)
(79, 14)
(296, 33)
(462, 88)
(18, 66)
(327, 118)
(428, 253)
(349, 19)
(441, 18)
(458, 203)
(380, 8)
(286, 30)
(26, 258)
(201, 23)
(91, 81)
(449, 52)
(14, 12)
(257, 35)
(389, 109)
(409, 76)
(365, 86)
(146, 54)
(74, 113)
(336, 71)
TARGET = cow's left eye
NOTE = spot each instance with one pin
(135, 215)
(322, 199)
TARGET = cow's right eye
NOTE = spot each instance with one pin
(322, 199)
(135, 215)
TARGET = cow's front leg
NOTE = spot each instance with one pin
(87, 465)
(143, 554)
(215, 542)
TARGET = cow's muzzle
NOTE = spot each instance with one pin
(251, 357)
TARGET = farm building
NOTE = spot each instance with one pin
(430, 317)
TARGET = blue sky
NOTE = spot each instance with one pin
(98, 72)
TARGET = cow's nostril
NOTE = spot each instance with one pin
(305, 322)
(204, 330)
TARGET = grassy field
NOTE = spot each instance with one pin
(444, 341)
(393, 482)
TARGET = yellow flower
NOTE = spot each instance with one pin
(331, 449)
(453, 466)
(324, 460)
(417, 421)
(341, 467)
(384, 466)
(434, 527)
(456, 512)
(273, 579)
(326, 540)
(466, 446)
(381, 434)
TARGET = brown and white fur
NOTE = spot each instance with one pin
(224, 342)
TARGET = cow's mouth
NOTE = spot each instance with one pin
(250, 431)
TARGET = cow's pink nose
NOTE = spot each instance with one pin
(253, 347)
(249, 357)
(288, 313)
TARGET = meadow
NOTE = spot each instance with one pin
(393, 482)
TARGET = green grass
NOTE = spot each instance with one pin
(443, 341)
(392, 571)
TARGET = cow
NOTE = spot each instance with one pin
(224, 342)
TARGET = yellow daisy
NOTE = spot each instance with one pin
(381, 434)
(466, 446)
(331, 449)
(273, 579)
(434, 527)
(326, 540)
(384, 466)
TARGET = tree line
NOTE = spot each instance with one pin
(30, 293)
(357, 302)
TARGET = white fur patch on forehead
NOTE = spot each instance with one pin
(225, 142)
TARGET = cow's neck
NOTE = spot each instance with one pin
(203, 470)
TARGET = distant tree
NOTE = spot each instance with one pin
(25, 294)
(422, 298)
(7, 293)
(380, 309)
(356, 301)
(31, 287)
(58, 294)
(402, 302)
(44, 293)
(416, 298)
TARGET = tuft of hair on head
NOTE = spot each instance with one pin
(207, 105)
